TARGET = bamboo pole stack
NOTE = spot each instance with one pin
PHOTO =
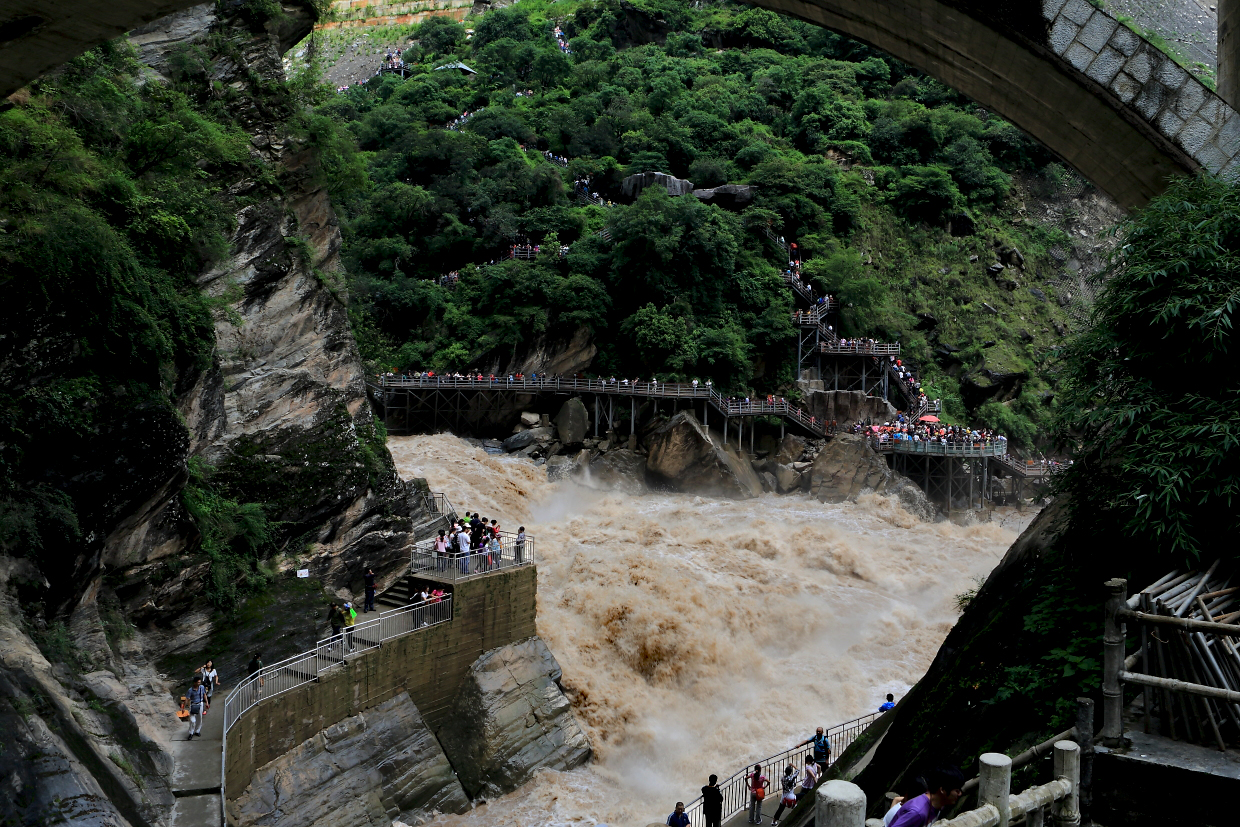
(1191, 656)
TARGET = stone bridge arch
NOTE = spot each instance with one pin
(1106, 101)
(1090, 89)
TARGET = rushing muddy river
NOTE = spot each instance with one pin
(698, 634)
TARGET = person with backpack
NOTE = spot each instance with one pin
(350, 617)
(335, 618)
(757, 784)
(198, 703)
(788, 795)
(822, 749)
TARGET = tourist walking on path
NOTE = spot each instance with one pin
(943, 790)
(255, 667)
(811, 775)
(822, 749)
(678, 818)
(369, 605)
(757, 784)
(712, 802)
(198, 703)
(788, 795)
(210, 678)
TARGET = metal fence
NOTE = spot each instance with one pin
(330, 652)
(997, 448)
(864, 348)
(735, 789)
(423, 559)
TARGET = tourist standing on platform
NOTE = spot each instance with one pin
(712, 802)
(369, 605)
(441, 551)
(822, 749)
(255, 667)
(889, 704)
(462, 544)
(757, 784)
(943, 790)
(518, 547)
(350, 617)
(678, 818)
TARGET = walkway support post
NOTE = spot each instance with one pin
(1068, 767)
(995, 784)
(1113, 663)
(839, 804)
(1085, 738)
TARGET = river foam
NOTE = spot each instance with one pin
(698, 634)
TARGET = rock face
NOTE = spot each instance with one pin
(848, 466)
(572, 422)
(847, 406)
(685, 455)
(524, 439)
(619, 470)
(564, 354)
(728, 196)
(511, 718)
(372, 768)
(632, 186)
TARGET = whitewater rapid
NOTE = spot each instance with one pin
(698, 634)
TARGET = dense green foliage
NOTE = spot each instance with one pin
(732, 94)
(1149, 406)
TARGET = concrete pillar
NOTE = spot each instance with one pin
(1068, 767)
(1228, 73)
(995, 784)
(1085, 738)
(839, 804)
(1113, 663)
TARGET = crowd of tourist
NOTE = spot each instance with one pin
(475, 545)
(558, 160)
(956, 436)
(463, 118)
(561, 40)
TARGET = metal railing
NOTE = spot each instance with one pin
(438, 504)
(423, 559)
(299, 670)
(867, 348)
(735, 790)
(996, 448)
(663, 390)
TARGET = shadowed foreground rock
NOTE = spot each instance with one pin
(369, 769)
(848, 466)
(511, 718)
(685, 455)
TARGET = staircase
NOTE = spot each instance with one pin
(403, 593)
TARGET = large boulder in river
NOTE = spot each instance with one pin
(619, 470)
(686, 456)
(572, 422)
(524, 439)
(511, 718)
(848, 466)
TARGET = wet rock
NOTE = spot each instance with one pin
(527, 438)
(559, 467)
(786, 479)
(995, 269)
(769, 483)
(511, 718)
(619, 470)
(1037, 294)
(529, 419)
(790, 449)
(572, 422)
(368, 769)
(848, 467)
(685, 455)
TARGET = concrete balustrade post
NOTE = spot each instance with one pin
(1113, 664)
(995, 784)
(1068, 767)
(839, 804)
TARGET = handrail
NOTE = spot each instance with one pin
(329, 652)
(661, 390)
(456, 565)
(734, 789)
(865, 348)
(994, 448)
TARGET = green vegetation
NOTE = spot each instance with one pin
(232, 535)
(887, 180)
(1152, 419)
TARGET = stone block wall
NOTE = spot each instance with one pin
(430, 665)
(359, 13)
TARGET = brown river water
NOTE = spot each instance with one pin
(698, 634)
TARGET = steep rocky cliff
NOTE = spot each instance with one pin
(277, 419)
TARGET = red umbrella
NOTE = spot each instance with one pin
(929, 419)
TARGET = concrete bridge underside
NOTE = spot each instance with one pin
(1105, 100)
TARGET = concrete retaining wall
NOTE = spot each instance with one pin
(359, 13)
(490, 612)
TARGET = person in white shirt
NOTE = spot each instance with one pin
(210, 678)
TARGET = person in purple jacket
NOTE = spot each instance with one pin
(943, 790)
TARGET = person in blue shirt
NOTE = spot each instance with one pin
(822, 748)
(198, 702)
(890, 704)
(679, 818)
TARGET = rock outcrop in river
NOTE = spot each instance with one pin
(684, 454)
